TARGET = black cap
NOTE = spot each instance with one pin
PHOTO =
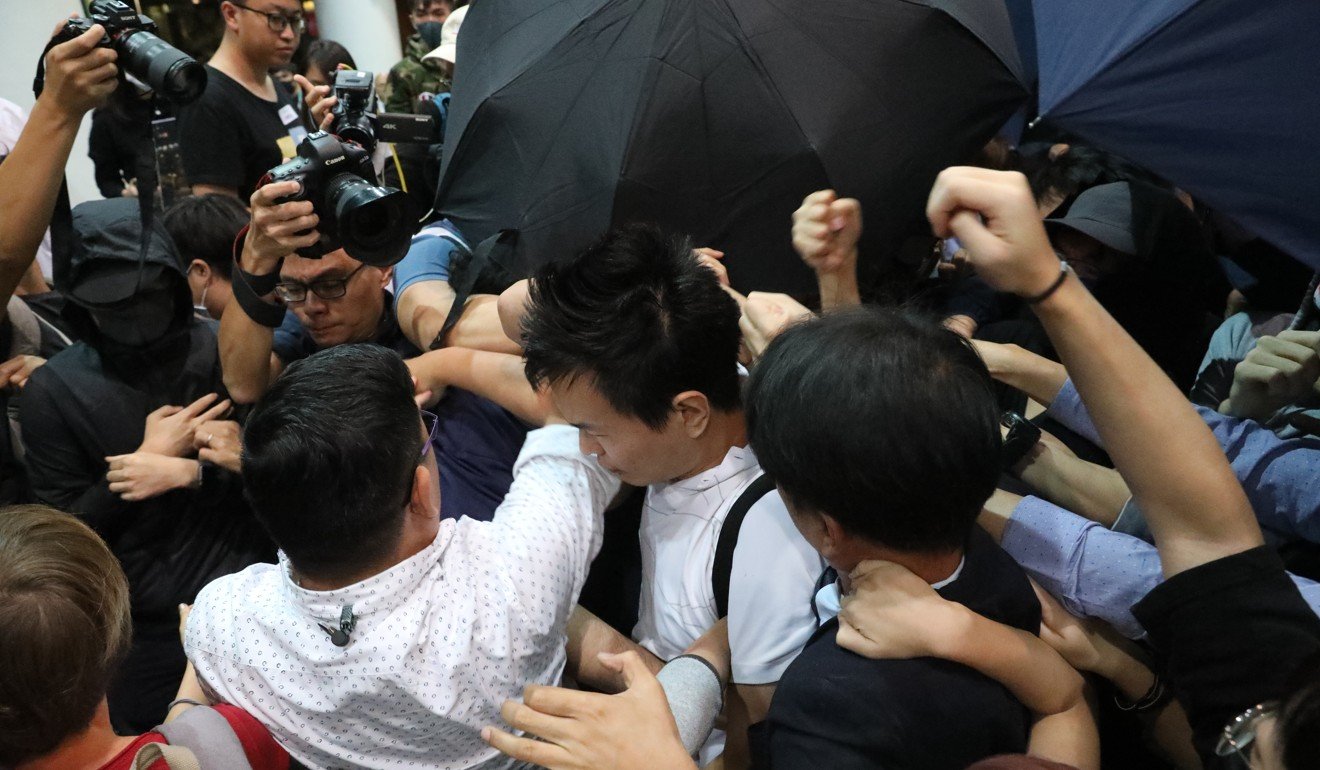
(1103, 212)
(104, 265)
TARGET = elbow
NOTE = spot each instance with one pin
(512, 305)
(241, 392)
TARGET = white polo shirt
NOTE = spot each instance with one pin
(770, 586)
(442, 639)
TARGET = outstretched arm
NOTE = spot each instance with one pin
(79, 76)
(1196, 508)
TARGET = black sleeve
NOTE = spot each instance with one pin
(105, 160)
(1230, 634)
(209, 143)
(59, 470)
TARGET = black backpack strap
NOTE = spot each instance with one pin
(723, 567)
(481, 257)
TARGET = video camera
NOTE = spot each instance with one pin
(373, 224)
(169, 71)
(357, 121)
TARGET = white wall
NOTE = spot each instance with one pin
(369, 29)
(25, 28)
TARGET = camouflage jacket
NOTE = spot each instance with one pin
(412, 76)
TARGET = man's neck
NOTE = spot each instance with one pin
(931, 568)
(411, 544)
(93, 747)
(725, 431)
(254, 76)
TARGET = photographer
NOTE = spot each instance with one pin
(337, 300)
(244, 123)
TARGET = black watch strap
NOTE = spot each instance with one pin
(249, 290)
(1022, 436)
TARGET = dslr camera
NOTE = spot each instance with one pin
(169, 71)
(373, 224)
(357, 121)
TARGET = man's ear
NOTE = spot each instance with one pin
(229, 14)
(202, 269)
(693, 409)
(386, 275)
(833, 536)
(424, 501)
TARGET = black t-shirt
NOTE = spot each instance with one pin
(231, 137)
(1230, 634)
(836, 709)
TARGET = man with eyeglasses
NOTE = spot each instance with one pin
(387, 637)
(287, 307)
(245, 123)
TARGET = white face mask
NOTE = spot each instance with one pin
(199, 309)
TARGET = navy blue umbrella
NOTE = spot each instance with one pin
(1221, 97)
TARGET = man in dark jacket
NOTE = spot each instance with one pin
(109, 425)
(414, 75)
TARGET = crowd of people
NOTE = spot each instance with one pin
(1057, 508)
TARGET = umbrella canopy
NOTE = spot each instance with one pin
(1218, 96)
(716, 117)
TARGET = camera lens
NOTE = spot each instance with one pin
(373, 224)
(169, 71)
(356, 128)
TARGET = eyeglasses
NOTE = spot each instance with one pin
(1241, 732)
(278, 22)
(326, 288)
(432, 424)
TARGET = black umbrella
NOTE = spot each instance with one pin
(716, 117)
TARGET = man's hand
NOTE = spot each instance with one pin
(277, 229)
(633, 730)
(171, 430)
(893, 614)
(15, 372)
(319, 101)
(144, 475)
(220, 442)
(1278, 372)
(79, 75)
(764, 316)
(962, 325)
(826, 229)
(711, 259)
(994, 215)
(1086, 644)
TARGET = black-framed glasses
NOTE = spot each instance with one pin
(278, 22)
(432, 424)
(326, 288)
(1239, 734)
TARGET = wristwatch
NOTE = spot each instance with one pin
(1021, 437)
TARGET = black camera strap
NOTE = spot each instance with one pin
(482, 257)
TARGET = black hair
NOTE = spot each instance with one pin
(1075, 171)
(421, 5)
(204, 227)
(327, 55)
(884, 421)
(638, 313)
(329, 455)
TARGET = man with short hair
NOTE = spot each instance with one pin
(244, 124)
(336, 300)
(204, 228)
(638, 344)
(882, 434)
(415, 75)
(387, 637)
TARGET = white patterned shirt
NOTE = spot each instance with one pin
(442, 638)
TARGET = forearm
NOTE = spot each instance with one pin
(838, 288)
(497, 377)
(588, 636)
(1091, 490)
(1036, 675)
(1069, 737)
(1037, 376)
(189, 688)
(245, 355)
(1195, 507)
(1167, 725)
(29, 185)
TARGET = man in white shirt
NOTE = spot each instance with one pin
(386, 638)
(638, 344)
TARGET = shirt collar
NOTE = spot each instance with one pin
(677, 496)
(383, 591)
